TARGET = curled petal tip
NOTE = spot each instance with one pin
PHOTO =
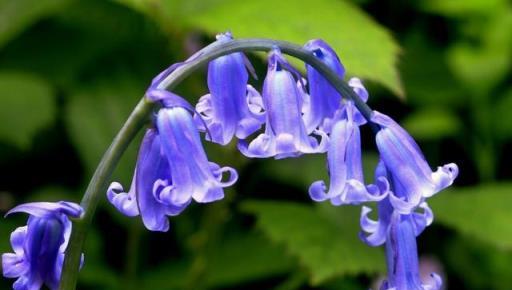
(317, 191)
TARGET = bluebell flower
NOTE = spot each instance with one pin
(39, 247)
(407, 166)
(324, 100)
(172, 169)
(285, 133)
(344, 159)
(377, 230)
(398, 231)
(228, 110)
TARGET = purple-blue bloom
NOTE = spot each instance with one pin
(399, 232)
(324, 100)
(39, 247)
(407, 166)
(345, 166)
(172, 169)
(227, 110)
(344, 159)
(285, 133)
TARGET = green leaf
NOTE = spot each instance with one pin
(240, 258)
(95, 114)
(427, 78)
(461, 8)
(325, 239)
(27, 104)
(482, 212)
(432, 124)
(244, 258)
(16, 16)
(366, 48)
(478, 264)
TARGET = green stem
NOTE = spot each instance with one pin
(138, 117)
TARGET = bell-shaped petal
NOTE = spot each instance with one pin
(324, 99)
(345, 167)
(374, 233)
(152, 170)
(225, 110)
(285, 134)
(39, 247)
(408, 169)
(193, 176)
(402, 256)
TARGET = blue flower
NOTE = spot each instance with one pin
(228, 109)
(285, 133)
(172, 169)
(345, 166)
(39, 247)
(344, 159)
(407, 166)
(398, 231)
(324, 100)
(378, 230)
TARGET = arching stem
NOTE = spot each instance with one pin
(140, 114)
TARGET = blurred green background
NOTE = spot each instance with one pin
(71, 71)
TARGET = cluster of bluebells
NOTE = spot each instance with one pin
(293, 115)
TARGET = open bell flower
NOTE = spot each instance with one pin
(172, 169)
(285, 134)
(344, 159)
(324, 100)
(346, 168)
(39, 247)
(407, 166)
(227, 110)
(377, 231)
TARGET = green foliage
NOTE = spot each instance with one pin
(482, 212)
(16, 16)
(366, 49)
(95, 114)
(27, 104)
(481, 265)
(432, 124)
(324, 239)
(502, 118)
(240, 258)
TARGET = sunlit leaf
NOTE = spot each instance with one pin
(481, 212)
(366, 48)
(325, 239)
(27, 104)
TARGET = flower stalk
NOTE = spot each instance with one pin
(141, 113)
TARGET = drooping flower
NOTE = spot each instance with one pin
(377, 230)
(345, 166)
(39, 247)
(398, 231)
(172, 168)
(285, 133)
(407, 166)
(324, 100)
(227, 109)
(344, 159)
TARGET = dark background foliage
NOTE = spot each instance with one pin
(71, 71)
